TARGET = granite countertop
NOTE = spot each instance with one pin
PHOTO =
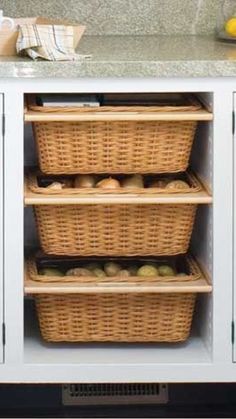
(134, 56)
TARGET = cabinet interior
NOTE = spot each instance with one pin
(198, 348)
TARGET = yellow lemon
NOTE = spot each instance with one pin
(230, 27)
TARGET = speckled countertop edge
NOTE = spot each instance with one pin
(134, 57)
(118, 70)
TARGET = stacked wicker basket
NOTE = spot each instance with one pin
(141, 224)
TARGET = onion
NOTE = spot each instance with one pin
(135, 181)
(108, 183)
(56, 186)
(177, 184)
(160, 184)
(67, 183)
(84, 181)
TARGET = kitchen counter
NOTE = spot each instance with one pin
(134, 56)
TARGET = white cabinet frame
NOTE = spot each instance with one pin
(220, 366)
(2, 326)
(234, 230)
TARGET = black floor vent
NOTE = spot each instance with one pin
(116, 394)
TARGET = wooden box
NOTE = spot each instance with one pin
(8, 37)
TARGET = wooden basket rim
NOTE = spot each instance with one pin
(31, 179)
(192, 104)
(33, 275)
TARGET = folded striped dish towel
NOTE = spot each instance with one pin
(50, 42)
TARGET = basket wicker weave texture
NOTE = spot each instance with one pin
(115, 230)
(115, 318)
(114, 146)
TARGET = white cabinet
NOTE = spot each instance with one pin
(207, 355)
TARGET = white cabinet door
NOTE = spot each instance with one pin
(234, 232)
(2, 128)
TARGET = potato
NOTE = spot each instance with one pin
(92, 266)
(147, 270)
(181, 274)
(112, 268)
(79, 272)
(166, 270)
(50, 272)
(132, 270)
(99, 273)
(124, 273)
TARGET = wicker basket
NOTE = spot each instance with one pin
(129, 309)
(115, 146)
(160, 102)
(115, 317)
(115, 230)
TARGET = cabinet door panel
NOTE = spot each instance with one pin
(234, 230)
(1, 222)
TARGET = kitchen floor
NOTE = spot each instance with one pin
(186, 401)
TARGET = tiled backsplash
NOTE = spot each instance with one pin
(125, 16)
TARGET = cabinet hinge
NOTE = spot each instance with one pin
(233, 122)
(3, 124)
(232, 332)
(4, 334)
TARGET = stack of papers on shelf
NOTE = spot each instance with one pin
(143, 99)
(65, 100)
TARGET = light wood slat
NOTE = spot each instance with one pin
(197, 198)
(199, 286)
(201, 115)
